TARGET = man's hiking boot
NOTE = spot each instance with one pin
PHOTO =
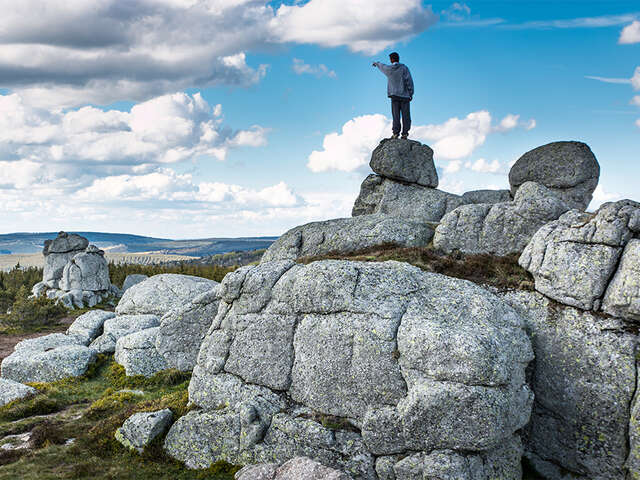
(395, 135)
(405, 136)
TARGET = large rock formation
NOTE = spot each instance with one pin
(569, 169)
(76, 274)
(299, 468)
(344, 235)
(573, 259)
(87, 270)
(57, 253)
(500, 228)
(422, 375)
(584, 380)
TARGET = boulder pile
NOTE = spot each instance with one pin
(380, 370)
(75, 273)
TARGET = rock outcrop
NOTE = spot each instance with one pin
(584, 380)
(88, 326)
(574, 258)
(183, 329)
(500, 228)
(121, 326)
(57, 253)
(405, 363)
(345, 235)
(76, 274)
(132, 279)
(568, 169)
(87, 270)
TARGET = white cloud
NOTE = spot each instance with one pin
(362, 25)
(455, 139)
(453, 166)
(600, 196)
(608, 80)
(77, 146)
(602, 21)
(349, 150)
(635, 80)
(630, 33)
(636, 101)
(457, 12)
(77, 52)
(483, 166)
(638, 123)
(320, 70)
(531, 124)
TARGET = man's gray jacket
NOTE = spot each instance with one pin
(400, 83)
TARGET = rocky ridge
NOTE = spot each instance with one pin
(382, 371)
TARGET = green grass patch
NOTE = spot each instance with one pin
(89, 409)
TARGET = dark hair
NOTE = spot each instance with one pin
(394, 57)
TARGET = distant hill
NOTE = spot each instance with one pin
(26, 243)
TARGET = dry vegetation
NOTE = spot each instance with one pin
(500, 272)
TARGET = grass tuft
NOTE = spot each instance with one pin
(501, 272)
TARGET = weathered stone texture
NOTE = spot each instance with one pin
(584, 379)
(500, 228)
(568, 169)
(183, 329)
(406, 161)
(345, 235)
(137, 353)
(162, 293)
(140, 429)
(573, 259)
(405, 361)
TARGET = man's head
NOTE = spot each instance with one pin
(394, 57)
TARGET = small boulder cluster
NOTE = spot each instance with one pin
(75, 273)
(400, 204)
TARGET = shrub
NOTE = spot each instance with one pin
(29, 313)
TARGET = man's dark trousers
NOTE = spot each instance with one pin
(400, 105)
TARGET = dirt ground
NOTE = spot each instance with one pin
(7, 342)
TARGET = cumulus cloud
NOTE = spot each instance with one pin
(320, 70)
(77, 146)
(455, 139)
(630, 33)
(77, 52)
(635, 80)
(601, 196)
(483, 166)
(366, 26)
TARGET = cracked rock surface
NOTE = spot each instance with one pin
(140, 429)
(574, 258)
(406, 161)
(47, 359)
(349, 363)
(162, 293)
(120, 326)
(348, 235)
(584, 380)
(88, 326)
(569, 169)
(299, 468)
(183, 329)
(499, 228)
(137, 353)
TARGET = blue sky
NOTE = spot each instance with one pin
(237, 117)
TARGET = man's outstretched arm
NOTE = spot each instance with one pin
(382, 67)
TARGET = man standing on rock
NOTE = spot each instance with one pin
(400, 91)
